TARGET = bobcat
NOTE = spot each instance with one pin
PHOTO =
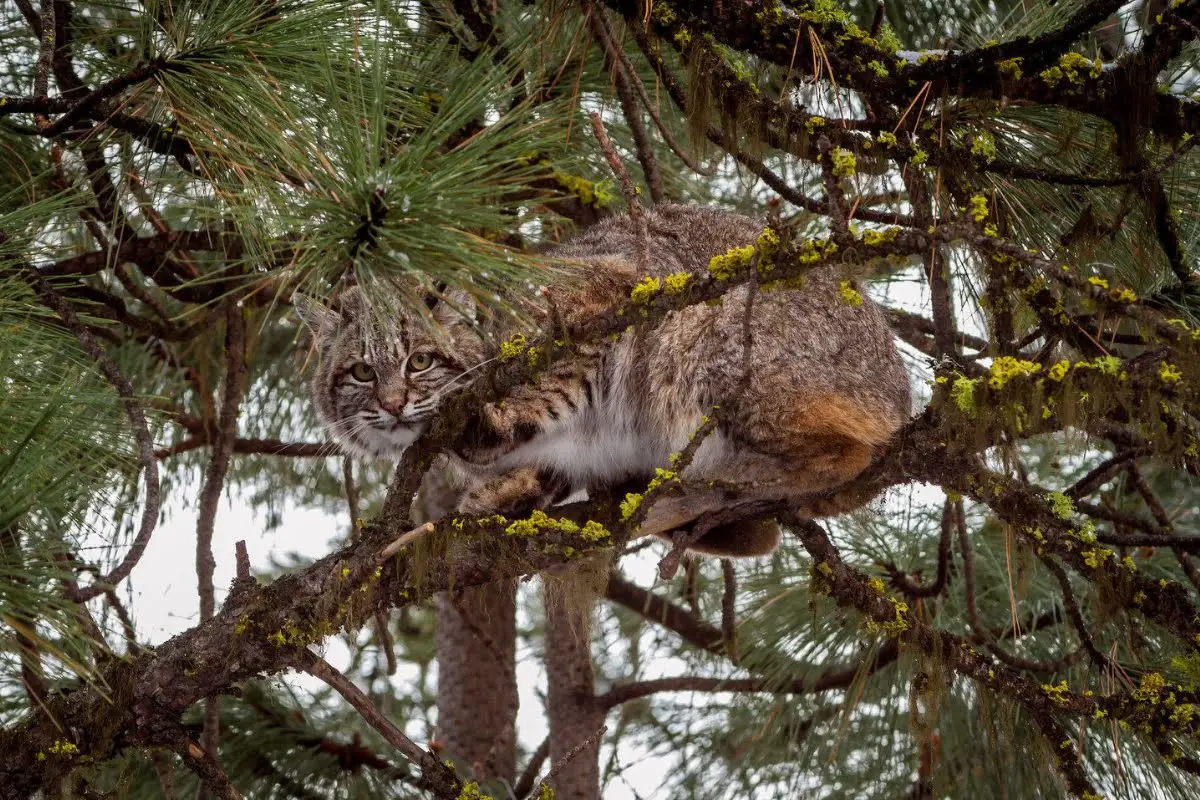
(821, 389)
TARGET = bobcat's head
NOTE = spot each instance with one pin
(384, 368)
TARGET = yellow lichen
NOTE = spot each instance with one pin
(727, 265)
(844, 163)
(979, 208)
(514, 347)
(813, 123)
(1061, 506)
(984, 146)
(962, 392)
(676, 282)
(1006, 368)
(849, 294)
(540, 521)
(1150, 688)
(886, 138)
(630, 504)
(874, 238)
(645, 291)
(1059, 695)
(594, 532)
(1059, 370)
(1169, 373)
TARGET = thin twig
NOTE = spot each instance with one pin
(141, 432)
(629, 106)
(572, 753)
(524, 784)
(440, 777)
(636, 214)
(214, 482)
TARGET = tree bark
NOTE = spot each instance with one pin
(574, 713)
(477, 687)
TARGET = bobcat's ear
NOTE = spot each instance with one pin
(311, 312)
(453, 309)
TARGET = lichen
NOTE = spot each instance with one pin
(1150, 688)
(594, 532)
(630, 505)
(1169, 373)
(962, 392)
(1061, 506)
(645, 291)
(540, 521)
(886, 138)
(513, 348)
(984, 146)
(471, 791)
(1059, 695)
(596, 194)
(727, 265)
(849, 294)
(812, 123)
(676, 282)
(844, 163)
(1010, 68)
(979, 208)
(1006, 368)
(875, 238)
(1059, 371)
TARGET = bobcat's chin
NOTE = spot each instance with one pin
(373, 442)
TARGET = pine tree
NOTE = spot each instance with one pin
(1017, 616)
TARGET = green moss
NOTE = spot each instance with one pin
(676, 282)
(645, 291)
(887, 40)
(878, 68)
(886, 138)
(1052, 76)
(919, 157)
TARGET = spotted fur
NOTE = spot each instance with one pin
(825, 388)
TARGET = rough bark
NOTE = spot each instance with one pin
(574, 713)
(477, 687)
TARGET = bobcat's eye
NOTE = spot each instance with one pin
(419, 362)
(362, 372)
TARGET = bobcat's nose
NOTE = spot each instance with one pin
(393, 404)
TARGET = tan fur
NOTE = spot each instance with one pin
(805, 402)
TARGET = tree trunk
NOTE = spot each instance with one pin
(574, 714)
(477, 687)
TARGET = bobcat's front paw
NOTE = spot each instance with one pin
(443, 486)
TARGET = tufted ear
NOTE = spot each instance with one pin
(454, 309)
(311, 312)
